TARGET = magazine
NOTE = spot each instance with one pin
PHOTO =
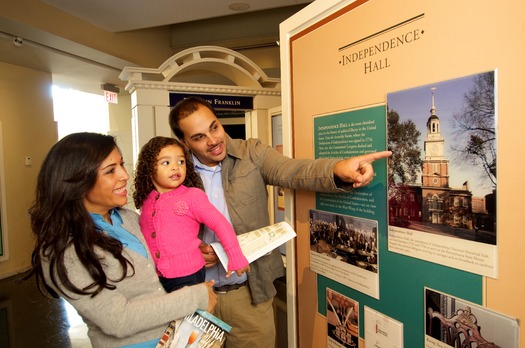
(200, 329)
(257, 243)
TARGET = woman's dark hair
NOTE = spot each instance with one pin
(183, 109)
(147, 166)
(60, 220)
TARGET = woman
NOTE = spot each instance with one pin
(91, 252)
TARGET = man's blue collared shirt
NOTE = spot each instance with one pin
(212, 181)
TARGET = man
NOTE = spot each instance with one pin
(235, 173)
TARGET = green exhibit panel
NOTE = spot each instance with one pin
(402, 281)
(395, 284)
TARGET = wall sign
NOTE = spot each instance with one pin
(224, 102)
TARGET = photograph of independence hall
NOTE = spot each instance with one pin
(442, 174)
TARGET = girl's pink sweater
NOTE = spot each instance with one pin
(170, 223)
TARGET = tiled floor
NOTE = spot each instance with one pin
(28, 319)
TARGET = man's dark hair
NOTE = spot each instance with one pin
(183, 109)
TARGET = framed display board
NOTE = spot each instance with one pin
(343, 58)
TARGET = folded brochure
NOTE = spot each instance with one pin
(257, 243)
(198, 330)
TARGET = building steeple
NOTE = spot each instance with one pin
(433, 107)
(433, 120)
(435, 164)
(434, 142)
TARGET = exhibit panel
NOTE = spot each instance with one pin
(440, 221)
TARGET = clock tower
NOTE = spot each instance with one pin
(435, 165)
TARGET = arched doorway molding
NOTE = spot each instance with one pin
(236, 67)
(221, 71)
(246, 77)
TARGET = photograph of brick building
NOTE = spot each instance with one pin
(442, 175)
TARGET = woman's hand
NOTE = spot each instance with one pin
(212, 297)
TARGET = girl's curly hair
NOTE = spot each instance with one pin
(146, 168)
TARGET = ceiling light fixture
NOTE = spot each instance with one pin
(18, 41)
(239, 6)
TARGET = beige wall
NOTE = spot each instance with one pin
(28, 130)
(120, 128)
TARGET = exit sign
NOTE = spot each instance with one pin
(111, 97)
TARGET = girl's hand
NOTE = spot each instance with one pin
(239, 272)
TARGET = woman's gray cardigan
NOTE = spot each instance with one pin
(139, 309)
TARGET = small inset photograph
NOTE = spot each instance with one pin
(342, 314)
(459, 323)
(345, 238)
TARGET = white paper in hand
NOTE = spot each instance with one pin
(257, 243)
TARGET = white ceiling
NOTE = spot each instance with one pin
(72, 64)
(125, 15)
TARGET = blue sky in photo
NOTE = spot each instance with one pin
(415, 104)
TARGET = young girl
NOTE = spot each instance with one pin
(173, 203)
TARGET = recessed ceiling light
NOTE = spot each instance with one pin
(18, 41)
(239, 6)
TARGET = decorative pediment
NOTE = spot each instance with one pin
(240, 75)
